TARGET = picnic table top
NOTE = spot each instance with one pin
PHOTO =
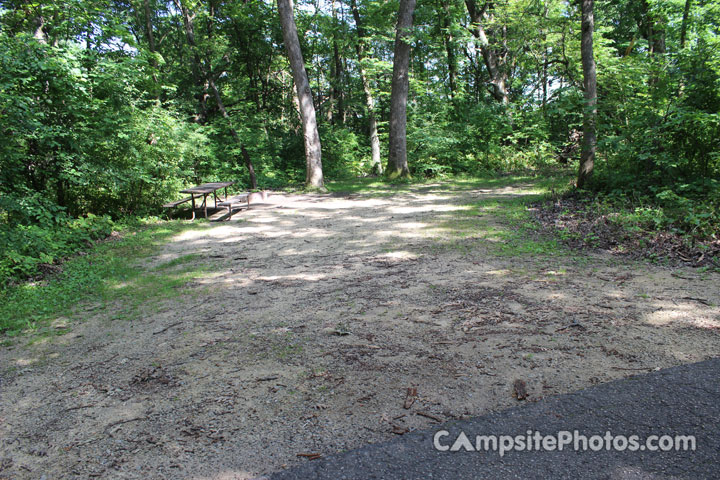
(207, 187)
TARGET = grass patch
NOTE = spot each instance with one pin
(182, 260)
(504, 220)
(375, 186)
(516, 232)
(372, 186)
(111, 275)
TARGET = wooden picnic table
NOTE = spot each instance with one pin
(206, 189)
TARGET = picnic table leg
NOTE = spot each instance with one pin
(215, 197)
(205, 204)
(193, 205)
(225, 193)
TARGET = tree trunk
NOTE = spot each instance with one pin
(449, 42)
(197, 69)
(369, 102)
(544, 73)
(149, 29)
(587, 160)
(337, 87)
(313, 152)
(337, 74)
(498, 76)
(233, 132)
(39, 33)
(652, 28)
(683, 27)
(147, 13)
(397, 162)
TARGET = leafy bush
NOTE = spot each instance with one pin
(88, 137)
(34, 232)
(690, 210)
(26, 248)
(344, 153)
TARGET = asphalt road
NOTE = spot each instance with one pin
(683, 400)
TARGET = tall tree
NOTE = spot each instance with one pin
(652, 28)
(369, 102)
(397, 162)
(587, 159)
(492, 58)
(337, 95)
(449, 41)
(197, 68)
(233, 132)
(313, 152)
(205, 77)
(147, 18)
(683, 28)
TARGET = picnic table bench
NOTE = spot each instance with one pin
(206, 189)
(229, 202)
(176, 202)
(242, 198)
(201, 190)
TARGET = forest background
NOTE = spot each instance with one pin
(108, 109)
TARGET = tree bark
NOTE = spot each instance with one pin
(313, 152)
(683, 28)
(197, 69)
(337, 75)
(587, 160)
(397, 162)
(498, 76)
(147, 13)
(652, 29)
(449, 42)
(369, 102)
(39, 33)
(149, 29)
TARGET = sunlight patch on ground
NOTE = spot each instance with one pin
(428, 208)
(60, 322)
(263, 219)
(684, 314)
(500, 273)
(26, 362)
(363, 220)
(307, 277)
(227, 475)
(293, 252)
(400, 255)
(393, 234)
(411, 225)
(211, 277)
(234, 281)
(518, 190)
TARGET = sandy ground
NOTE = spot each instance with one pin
(320, 313)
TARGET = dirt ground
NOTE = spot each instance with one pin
(320, 313)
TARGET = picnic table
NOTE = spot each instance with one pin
(206, 189)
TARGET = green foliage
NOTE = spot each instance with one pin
(344, 153)
(35, 232)
(97, 119)
(81, 133)
(109, 274)
(689, 210)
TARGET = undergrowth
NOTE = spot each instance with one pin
(109, 276)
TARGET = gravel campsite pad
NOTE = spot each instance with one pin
(324, 322)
